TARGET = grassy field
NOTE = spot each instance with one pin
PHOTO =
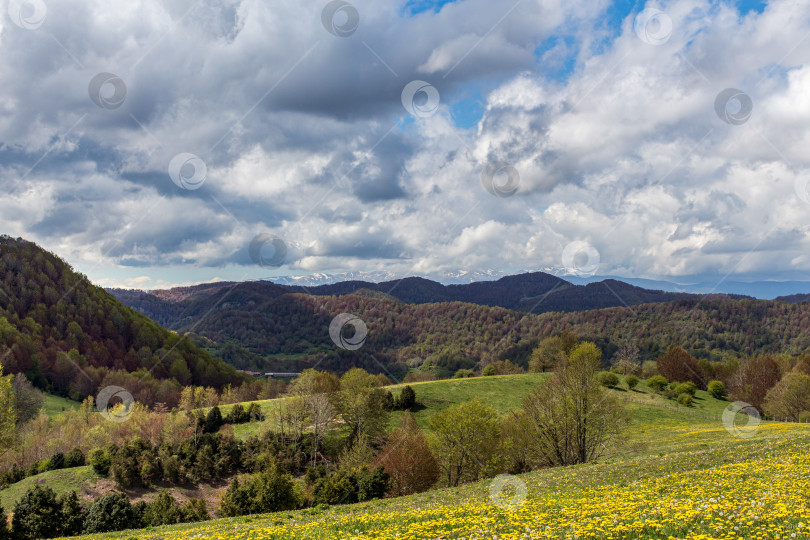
(60, 481)
(504, 393)
(680, 474)
(55, 405)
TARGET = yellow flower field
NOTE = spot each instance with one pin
(735, 489)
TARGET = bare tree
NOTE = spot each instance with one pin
(627, 358)
(29, 399)
(575, 420)
(322, 414)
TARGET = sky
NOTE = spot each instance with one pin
(156, 143)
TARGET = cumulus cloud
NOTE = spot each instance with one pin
(303, 135)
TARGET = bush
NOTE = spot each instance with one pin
(194, 510)
(101, 461)
(213, 420)
(57, 461)
(372, 485)
(686, 388)
(464, 374)
(269, 491)
(804, 416)
(110, 513)
(124, 468)
(236, 501)
(632, 381)
(74, 458)
(337, 488)
(607, 379)
(406, 399)
(37, 515)
(657, 382)
(73, 514)
(255, 413)
(164, 510)
(717, 389)
(685, 399)
(5, 533)
(488, 371)
(238, 415)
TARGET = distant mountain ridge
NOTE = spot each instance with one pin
(757, 288)
(535, 292)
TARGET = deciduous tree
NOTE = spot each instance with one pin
(407, 459)
(574, 419)
(465, 438)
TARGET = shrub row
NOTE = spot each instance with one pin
(40, 513)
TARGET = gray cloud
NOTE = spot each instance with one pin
(303, 135)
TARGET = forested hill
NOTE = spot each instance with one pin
(71, 337)
(536, 292)
(258, 325)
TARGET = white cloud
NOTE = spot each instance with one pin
(298, 129)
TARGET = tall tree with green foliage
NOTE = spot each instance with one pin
(465, 436)
(548, 354)
(362, 404)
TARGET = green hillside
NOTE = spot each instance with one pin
(680, 470)
(72, 338)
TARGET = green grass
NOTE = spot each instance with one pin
(664, 439)
(56, 405)
(673, 456)
(60, 481)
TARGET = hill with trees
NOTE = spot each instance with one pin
(72, 338)
(263, 326)
(535, 292)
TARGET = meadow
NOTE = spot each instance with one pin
(679, 474)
